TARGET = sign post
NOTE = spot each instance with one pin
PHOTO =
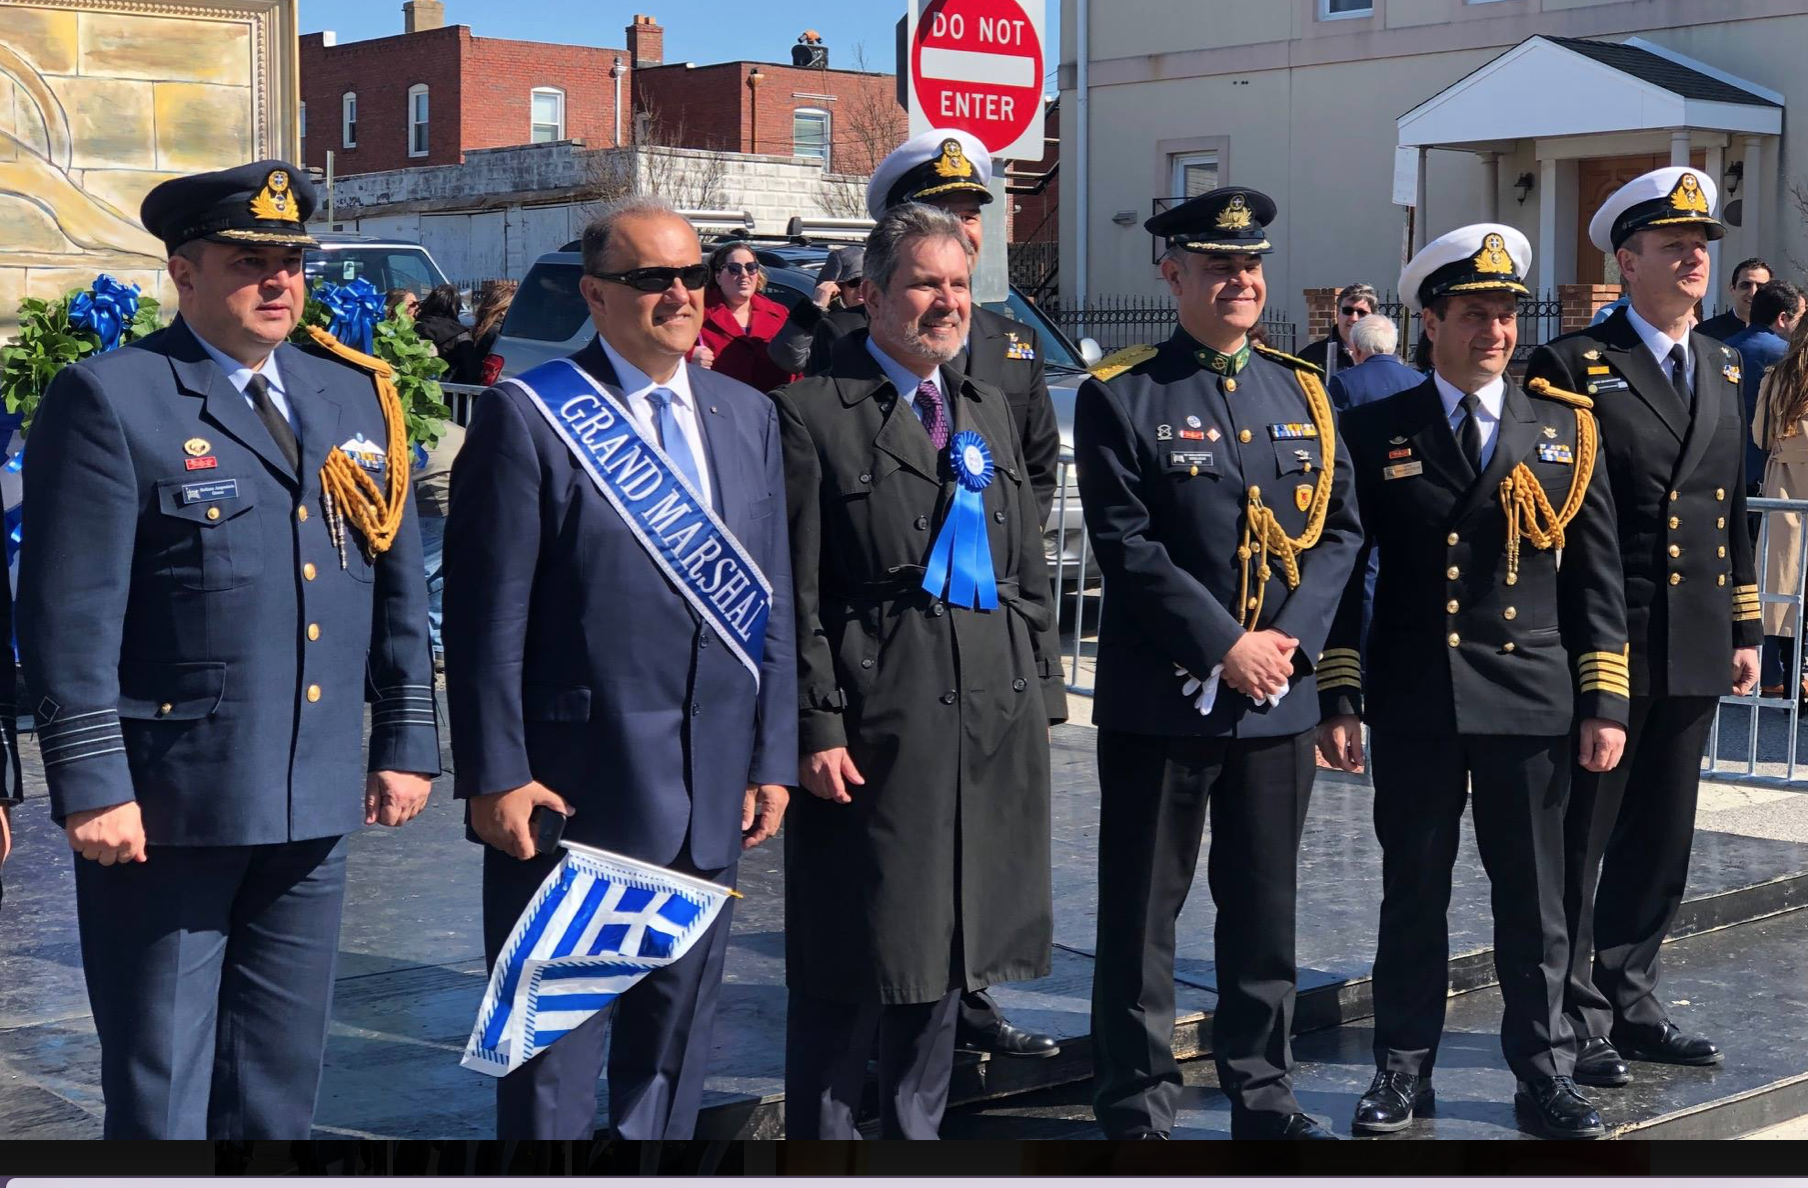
(977, 66)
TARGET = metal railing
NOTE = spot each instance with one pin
(1120, 320)
(461, 398)
(1070, 562)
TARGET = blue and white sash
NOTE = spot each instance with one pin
(674, 523)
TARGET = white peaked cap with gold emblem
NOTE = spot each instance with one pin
(1674, 196)
(937, 162)
(1479, 258)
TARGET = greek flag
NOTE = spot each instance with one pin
(599, 923)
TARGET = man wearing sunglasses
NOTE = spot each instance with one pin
(616, 536)
(1331, 353)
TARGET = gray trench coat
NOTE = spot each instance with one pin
(936, 877)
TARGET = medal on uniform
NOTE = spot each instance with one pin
(959, 569)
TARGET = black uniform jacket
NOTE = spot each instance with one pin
(1008, 355)
(1167, 453)
(1455, 647)
(1679, 495)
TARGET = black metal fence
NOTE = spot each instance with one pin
(1121, 320)
(1540, 320)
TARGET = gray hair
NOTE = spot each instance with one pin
(902, 225)
(1359, 292)
(1375, 334)
(601, 229)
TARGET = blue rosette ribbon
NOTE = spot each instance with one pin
(356, 308)
(959, 569)
(107, 308)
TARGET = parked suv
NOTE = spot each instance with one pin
(386, 263)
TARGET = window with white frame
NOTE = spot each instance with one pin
(348, 120)
(1193, 174)
(548, 115)
(810, 134)
(417, 120)
(304, 119)
(1334, 10)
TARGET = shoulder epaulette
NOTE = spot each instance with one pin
(1287, 360)
(325, 346)
(1543, 387)
(1118, 362)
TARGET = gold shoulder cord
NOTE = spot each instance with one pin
(345, 489)
(1528, 511)
(1262, 532)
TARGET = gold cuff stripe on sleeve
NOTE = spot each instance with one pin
(1743, 617)
(1339, 674)
(1338, 683)
(1610, 657)
(1340, 654)
(1617, 688)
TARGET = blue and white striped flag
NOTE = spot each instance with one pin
(599, 923)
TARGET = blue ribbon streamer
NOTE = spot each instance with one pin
(15, 464)
(356, 308)
(107, 308)
(959, 568)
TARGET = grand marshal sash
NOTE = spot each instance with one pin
(672, 522)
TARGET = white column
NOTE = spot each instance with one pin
(1545, 258)
(1755, 189)
(1679, 146)
(1716, 169)
(1419, 223)
(1491, 186)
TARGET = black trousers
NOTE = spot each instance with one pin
(826, 1047)
(1154, 796)
(657, 1045)
(1627, 862)
(1520, 785)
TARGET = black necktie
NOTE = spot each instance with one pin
(1679, 376)
(1469, 434)
(258, 388)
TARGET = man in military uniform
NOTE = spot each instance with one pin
(222, 568)
(1225, 523)
(1481, 655)
(1673, 439)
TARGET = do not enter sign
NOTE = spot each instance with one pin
(977, 65)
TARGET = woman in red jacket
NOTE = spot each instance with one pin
(738, 322)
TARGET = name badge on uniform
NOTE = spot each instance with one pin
(1557, 452)
(367, 454)
(1192, 461)
(1290, 432)
(1403, 470)
(210, 492)
(1614, 384)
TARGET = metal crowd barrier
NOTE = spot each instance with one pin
(1071, 562)
(460, 398)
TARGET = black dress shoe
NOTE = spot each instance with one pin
(1279, 1126)
(1006, 1040)
(1559, 1111)
(1598, 1062)
(1389, 1104)
(1664, 1044)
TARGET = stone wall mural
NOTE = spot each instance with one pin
(102, 99)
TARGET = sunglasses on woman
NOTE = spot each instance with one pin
(741, 269)
(658, 280)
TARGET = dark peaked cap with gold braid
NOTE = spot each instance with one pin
(266, 203)
(1231, 220)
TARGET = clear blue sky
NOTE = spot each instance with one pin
(695, 30)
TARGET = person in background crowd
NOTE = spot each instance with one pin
(739, 321)
(1377, 372)
(1780, 429)
(404, 300)
(432, 502)
(493, 303)
(437, 321)
(1331, 353)
(918, 866)
(836, 308)
(1750, 276)
(1611, 308)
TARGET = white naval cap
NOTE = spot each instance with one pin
(937, 162)
(1479, 258)
(1673, 196)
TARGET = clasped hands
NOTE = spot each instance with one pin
(1261, 663)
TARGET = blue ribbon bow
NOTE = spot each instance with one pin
(356, 308)
(107, 308)
(960, 561)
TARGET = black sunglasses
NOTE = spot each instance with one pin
(658, 280)
(1350, 311)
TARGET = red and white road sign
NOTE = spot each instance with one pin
(977, 65)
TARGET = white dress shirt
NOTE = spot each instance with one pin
(1492, 395)
(907, 382)
(1659, 344)
(636, 385)
(239, 375)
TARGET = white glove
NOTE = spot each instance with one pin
(1207, 690)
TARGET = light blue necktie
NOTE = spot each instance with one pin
(672, 439)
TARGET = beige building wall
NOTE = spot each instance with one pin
(1306, 109)
(100, 100)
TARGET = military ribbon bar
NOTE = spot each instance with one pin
(695, 550)
(960, 562)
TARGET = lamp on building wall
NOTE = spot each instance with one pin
(1524, 186)
(754, 79)
(1735, 173)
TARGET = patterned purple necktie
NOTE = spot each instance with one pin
(929, 405)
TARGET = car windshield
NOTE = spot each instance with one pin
(1057, 351)
(385, 267)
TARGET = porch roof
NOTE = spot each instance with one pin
(1564, 86)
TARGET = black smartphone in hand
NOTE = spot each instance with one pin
(548, 827)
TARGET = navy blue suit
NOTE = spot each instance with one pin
(192, 643)
(1375, 378)
(571, 660)
(1760, 348)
